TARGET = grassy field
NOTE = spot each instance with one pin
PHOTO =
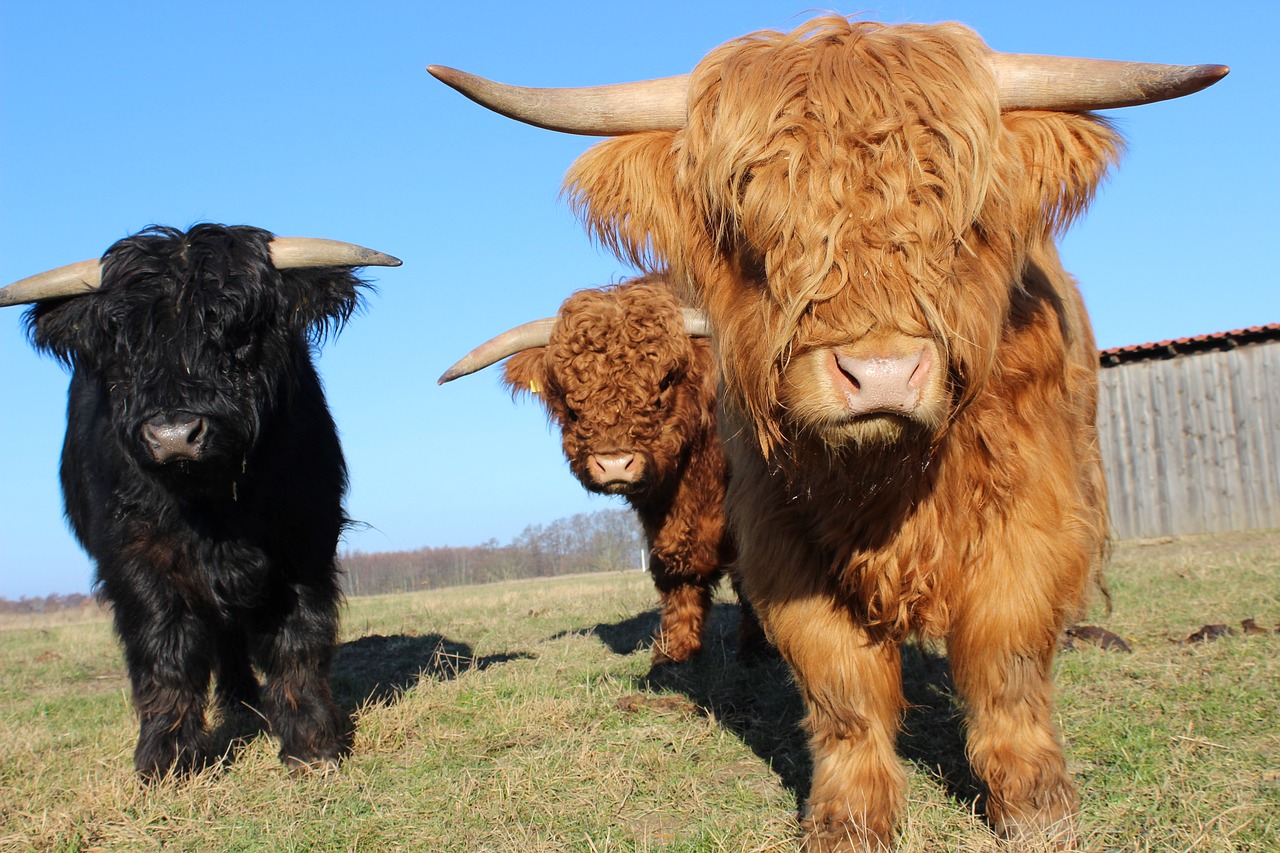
(521, 717)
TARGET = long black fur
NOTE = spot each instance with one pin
(220, 564)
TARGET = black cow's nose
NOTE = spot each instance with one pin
(174, 439)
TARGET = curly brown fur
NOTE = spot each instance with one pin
(634, 398)
(850, 195)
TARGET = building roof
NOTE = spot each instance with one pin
(1186, 346)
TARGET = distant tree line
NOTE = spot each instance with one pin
(47, 603)
(604, 541)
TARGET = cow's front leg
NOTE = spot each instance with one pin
(686, 602)
(169, 670)
(1001, 660)
(852, 688)
(295, 660)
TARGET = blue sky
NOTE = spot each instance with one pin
(318, 119)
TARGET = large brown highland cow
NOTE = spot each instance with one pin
(868, 213)
(628, 379)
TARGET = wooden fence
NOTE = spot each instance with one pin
(1190, 434)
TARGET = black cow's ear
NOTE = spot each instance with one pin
(64, 328)
(323, 299)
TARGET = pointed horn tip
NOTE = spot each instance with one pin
(448, 76)
(1203, 76)
(1214, 73)
(380, 259)
(384, 260)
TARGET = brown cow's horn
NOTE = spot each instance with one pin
(286, 253)
(298, 252)
(592, 111)
(536, 333)
(1032, 82)
(1025, 82)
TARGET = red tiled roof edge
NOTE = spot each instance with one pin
(1184, 346)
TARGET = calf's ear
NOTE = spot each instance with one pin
(526, 373)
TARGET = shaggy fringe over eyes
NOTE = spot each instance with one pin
(841, 134)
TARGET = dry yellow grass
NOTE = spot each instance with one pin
(519, 716)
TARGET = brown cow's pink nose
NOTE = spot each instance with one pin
(614, 468)
(175, 439)
(887, 383)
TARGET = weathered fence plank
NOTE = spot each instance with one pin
(1190, 434)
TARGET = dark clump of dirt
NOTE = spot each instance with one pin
(1092, 635)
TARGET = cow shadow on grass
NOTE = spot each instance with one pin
(759, 703)
(371, 670)
(378, 670)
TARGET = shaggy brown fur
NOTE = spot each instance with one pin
(635, 400)
(848, 197)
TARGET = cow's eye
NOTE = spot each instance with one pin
(570, 414)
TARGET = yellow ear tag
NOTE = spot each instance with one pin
(535, 387)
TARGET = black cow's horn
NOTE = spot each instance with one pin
(1025, 82)
(73, 279)
(286, 253)
(298, 252)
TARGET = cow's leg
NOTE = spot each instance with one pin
(167, 654)
(686, 602)
(236, 687)
(1001, 654)
(852, 688)
(295, 660)
(753, 646)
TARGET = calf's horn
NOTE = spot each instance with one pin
(537, 333)
(1024, 82)
(286, 253)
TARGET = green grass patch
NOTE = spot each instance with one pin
(522, 716)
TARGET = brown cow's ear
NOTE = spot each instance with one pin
(526, 373)
(624, 192)
(1064, 157)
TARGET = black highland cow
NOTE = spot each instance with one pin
(202, 472)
